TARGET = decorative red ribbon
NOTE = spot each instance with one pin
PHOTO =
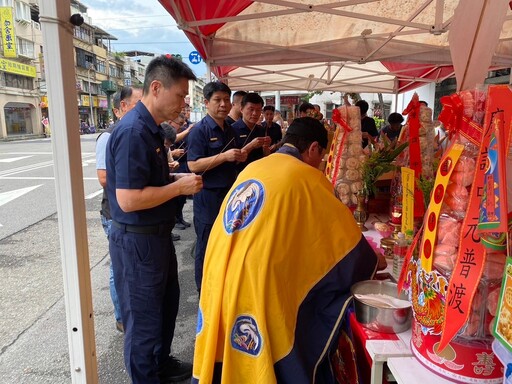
(336, 117)
(454, 121)
(413, 112)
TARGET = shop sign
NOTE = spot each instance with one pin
(8, 35)
(285, 100)
(103, 103)
(85, 101)
(17, 68)
(44, 102)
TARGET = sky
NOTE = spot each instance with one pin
(141, 25)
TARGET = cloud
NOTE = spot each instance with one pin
(144, 26)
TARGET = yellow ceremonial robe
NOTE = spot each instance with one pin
(281, 258)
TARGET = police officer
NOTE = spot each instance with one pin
(141, 191)
(212, 152)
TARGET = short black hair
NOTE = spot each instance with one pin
(305, 106)
(168, 70)
(395, 118)
(304, 131)
(169, 132)
(252, 98)
(269, 108)
(215, 86)
(363, 106)
(239, 95)
(424, 103)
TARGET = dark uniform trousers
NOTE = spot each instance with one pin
(206, 208)
(146, 281)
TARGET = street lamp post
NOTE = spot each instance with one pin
(90, 66)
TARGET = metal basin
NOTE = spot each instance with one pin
(378, 317)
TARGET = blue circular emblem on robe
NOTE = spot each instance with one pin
(245, 335)
(243, 205)
(199, 321)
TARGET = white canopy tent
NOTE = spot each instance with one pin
(333, 45)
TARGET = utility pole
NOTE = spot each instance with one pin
(89, 67)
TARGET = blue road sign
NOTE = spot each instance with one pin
(194, 57)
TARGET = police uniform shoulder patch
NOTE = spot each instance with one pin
(244, 205)
(245, 335)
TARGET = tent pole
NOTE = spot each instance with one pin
(208, 71)
(63, 112)
(278, 100)
(396, 94)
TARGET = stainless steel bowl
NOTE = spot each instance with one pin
(381, 318)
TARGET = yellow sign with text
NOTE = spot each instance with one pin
(17, 68)
(8, 35)
(408, 202)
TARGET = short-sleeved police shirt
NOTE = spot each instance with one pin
(136, 158)
(207, 139)
(274, 131)
(244, 136)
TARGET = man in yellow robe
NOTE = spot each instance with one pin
(282, 256)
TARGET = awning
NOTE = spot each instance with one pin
(378, 45)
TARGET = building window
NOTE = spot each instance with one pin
(100, 66)
(83, 34)
(94, 87)
(5, 3)
(18, 118)
(84, 59)
(25, 47)
(23, 12)
(115, 71)
(16, 81)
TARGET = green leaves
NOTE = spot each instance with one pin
(378, 163)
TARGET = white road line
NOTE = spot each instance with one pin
(26, 168)
(12, 159)
(94, 194)
(6, 197)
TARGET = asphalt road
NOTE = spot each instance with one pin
(33, 336)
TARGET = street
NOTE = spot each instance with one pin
(33, 336)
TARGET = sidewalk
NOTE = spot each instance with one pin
(33, 337)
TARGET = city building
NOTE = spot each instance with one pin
(20, 50)
(99, 72)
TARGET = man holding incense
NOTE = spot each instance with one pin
(212, 152)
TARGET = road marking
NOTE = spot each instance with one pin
(94, 194)
(6, 197)
(12, 159)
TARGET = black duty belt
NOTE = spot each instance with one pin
(162, 229)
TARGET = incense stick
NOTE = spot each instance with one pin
(215, 158)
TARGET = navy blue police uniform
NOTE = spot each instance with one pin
(140, 245)
(274, 131)
(244, 135)
(207, 139)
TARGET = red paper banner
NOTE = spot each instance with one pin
(413, 112)
(471, 255)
